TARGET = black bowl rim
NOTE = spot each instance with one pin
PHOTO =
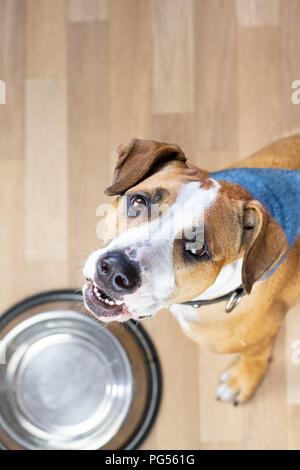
(143, 340)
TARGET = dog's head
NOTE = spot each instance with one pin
(172, 230)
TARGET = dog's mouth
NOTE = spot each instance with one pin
(100, 303)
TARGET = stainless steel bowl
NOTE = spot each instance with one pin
(69, 382)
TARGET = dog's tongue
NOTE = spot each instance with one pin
(124, 310)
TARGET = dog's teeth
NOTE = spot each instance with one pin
(101, 296)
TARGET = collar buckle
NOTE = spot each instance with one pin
(234, 300)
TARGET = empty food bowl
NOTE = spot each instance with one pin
(70, 382)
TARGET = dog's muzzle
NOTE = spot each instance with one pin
(115, 276)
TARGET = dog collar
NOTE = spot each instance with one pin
(234, 297)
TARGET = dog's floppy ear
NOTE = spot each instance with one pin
(136, 161)
(266, 243)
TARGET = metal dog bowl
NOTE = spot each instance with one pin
(69, 382)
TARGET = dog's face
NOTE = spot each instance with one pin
(171, 232)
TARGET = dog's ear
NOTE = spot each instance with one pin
(137, 160)
(265, 240)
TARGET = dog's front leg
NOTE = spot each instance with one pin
(239, 382)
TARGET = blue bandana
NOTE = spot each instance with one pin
(278, 190)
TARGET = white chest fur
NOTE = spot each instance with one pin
(229, 278)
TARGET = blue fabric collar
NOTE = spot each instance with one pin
(278, 190)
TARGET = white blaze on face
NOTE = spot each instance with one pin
(151, 245)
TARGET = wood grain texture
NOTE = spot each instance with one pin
(87, 137)
(214, 77)
(12, 52)
(46, 275)
(82, 11)
(217, 424)
(177, 128)
(263, 413)
(180, 413)
(214, 160)
(173, 51)
(129, 69)
(46, 170)
(293, 427)
(216, 86)
(12, 237)
(259, 87)
(258, 12)
(290, 66)
(45, 38)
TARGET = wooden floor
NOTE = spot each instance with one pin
(83, 76)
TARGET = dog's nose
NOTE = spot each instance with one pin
(118, 272)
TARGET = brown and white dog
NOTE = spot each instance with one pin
(147, 266)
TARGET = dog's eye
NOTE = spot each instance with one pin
(200, 251)
(138, 204)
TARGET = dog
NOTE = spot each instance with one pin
(243, 271)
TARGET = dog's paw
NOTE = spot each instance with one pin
(225, 391)
(238, 383)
